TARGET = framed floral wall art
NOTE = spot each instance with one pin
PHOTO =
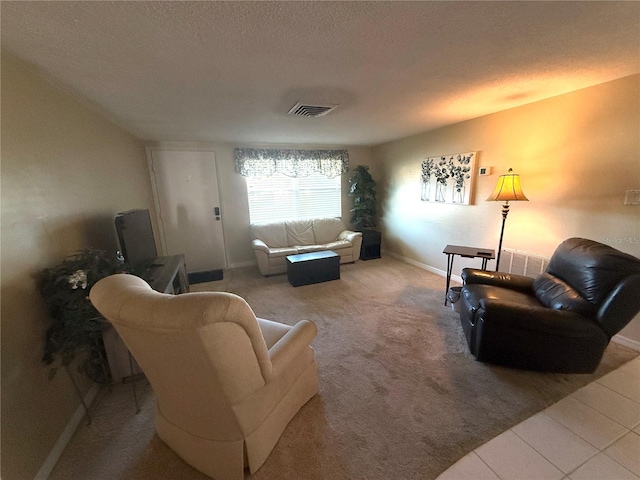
(448, 178)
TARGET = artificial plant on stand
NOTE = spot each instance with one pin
(76, 326)
(363, 191)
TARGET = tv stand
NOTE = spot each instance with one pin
(167, 275)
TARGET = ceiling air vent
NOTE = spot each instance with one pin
(307, 110)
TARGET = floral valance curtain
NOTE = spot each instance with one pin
(254, 162)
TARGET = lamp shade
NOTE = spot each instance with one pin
(508, 189)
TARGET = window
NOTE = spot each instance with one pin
(278, 197)
(292, 184)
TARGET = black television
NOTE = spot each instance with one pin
(135, 235)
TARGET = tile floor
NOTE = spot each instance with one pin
(594, 434)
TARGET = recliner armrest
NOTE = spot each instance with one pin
(498, 279)
(542, 319)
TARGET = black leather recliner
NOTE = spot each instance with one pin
(562, 320)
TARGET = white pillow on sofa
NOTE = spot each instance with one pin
(326, 230)
(274, 234)
(300, 232)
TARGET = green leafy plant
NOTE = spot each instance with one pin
(76, 326)
(363, 191)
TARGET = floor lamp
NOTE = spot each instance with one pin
(508, 189)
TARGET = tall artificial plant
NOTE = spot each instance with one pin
(363, 191)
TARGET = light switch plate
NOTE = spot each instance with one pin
(632, 197)
(482, 171)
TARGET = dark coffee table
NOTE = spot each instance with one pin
(314, 267)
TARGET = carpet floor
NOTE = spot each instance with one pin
(400, 395)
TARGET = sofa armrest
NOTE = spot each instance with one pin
(498, 279)
(288, 348)
(258, 244)
(349, 235)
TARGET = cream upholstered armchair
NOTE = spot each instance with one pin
(227, 384)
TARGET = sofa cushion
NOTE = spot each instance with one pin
(557, 294)
(282, 252)
(309, 248)
(273, 234)
(300, 232)
(326, 230)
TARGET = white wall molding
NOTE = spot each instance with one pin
(626, 342)
(424, 266)
(249, 263)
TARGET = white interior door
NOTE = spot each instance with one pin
(188, 205)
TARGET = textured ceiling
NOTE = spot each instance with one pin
(230, 71)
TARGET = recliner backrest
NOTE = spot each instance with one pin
(555, 293)
(621, 306)
(591, 268)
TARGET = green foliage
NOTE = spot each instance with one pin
(363, 191)
(76, 326)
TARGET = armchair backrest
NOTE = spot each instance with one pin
(201, 352)
(605, 277)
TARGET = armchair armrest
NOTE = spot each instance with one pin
(258, 244)
(498, 279)
(287, 349)
(349, 235)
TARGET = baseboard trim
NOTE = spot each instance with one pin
(243, 264)
(424, 266)
(626, 342)
(67, 433)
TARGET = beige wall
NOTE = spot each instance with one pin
(233, 192)
(576, 154)
(66, 172)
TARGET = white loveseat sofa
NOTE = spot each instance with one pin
(272, 242)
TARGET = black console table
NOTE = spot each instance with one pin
(167, 275)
